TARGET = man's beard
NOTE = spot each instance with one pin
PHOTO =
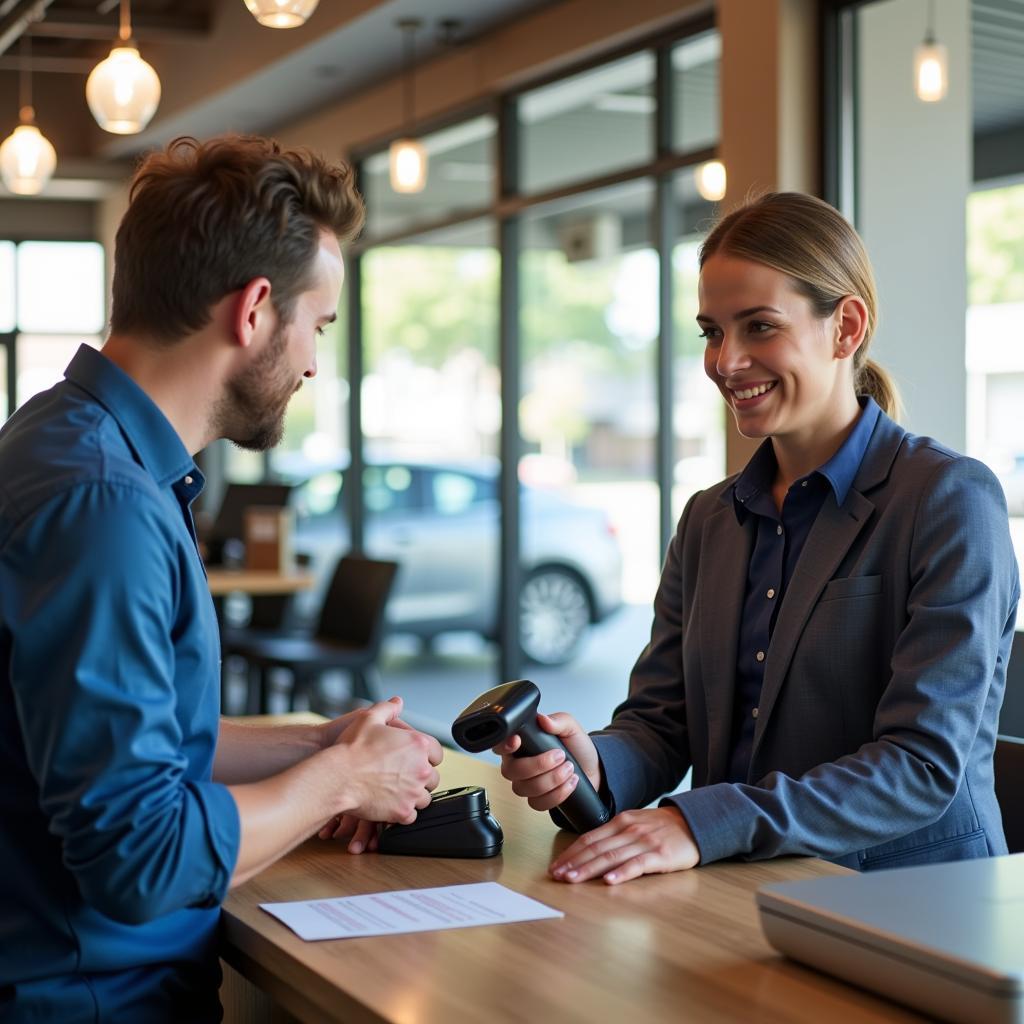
(251, 412)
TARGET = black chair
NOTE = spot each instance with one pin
(1011, 717)
(1009, 772)
(347, 636)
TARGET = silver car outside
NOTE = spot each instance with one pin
(440, 522)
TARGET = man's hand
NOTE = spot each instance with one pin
(634, 843)
(330, 732)
(390, 768)
(547, 779)
(359, 833)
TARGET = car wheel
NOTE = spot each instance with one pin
(554, 612)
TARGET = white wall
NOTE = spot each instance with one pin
(914, 174)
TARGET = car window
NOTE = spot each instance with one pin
(452, 493)
(389, 489)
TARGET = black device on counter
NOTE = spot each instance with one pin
(511, 710)
(456, 823)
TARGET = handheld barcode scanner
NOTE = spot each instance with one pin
(511, 710)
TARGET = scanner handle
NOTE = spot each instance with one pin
(583, 808)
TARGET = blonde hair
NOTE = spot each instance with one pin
(815, 246)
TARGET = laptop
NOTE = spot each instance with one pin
(946, 939)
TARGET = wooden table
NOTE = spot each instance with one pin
(260, 583)
(679, 947)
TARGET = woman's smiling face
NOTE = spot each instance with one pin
(775, 362)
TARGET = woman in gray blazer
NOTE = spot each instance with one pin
(832, 625)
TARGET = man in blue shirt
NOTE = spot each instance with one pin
(127, 808)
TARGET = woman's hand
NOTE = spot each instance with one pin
(633, 843)
(547, 779)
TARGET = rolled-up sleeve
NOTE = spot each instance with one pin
(93, 674)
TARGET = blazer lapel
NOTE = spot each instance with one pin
(830, 538)
(723, 581)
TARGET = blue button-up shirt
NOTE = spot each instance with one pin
(779, 539)
(115, 845)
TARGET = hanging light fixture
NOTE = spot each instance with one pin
(931, 64)
(27, 159)
(710, 180)
(281, 13)
(123, 91)
(408, 156)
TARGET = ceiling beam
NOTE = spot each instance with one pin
(60, 65)
(70, 23)
(15, 18)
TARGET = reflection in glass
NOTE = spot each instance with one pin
(695, 71)
(461, 178)
(591, 124)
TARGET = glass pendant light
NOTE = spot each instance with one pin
(931, 65)
(407, 156)
(27, 158)
(281, 13)
(123, 91)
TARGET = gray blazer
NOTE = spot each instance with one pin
(882, 684)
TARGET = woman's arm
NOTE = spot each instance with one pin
(961, 603)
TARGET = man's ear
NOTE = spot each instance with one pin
(851, 324)
(252, 308)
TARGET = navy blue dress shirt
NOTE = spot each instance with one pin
(116, 848)
(778, 541)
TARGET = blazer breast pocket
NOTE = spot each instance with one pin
(851, 586)
(840, 665)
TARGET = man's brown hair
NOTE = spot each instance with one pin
(205, 218)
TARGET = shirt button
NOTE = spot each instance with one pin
(753, 714)
(778, 530)
(804, 484)
(188, 481)
(771, 593)
(759, 655)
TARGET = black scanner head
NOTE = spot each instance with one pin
(496, 715)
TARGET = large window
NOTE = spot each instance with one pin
(588, 418)
(937, 190)
(698, 415)
(430, 415)
(587, 125)
(488, 316)
(51, 301)
(460, 177)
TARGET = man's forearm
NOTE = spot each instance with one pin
(279, 812)
(250, 753)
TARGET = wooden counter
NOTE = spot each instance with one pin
(685, 946)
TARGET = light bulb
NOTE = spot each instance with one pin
(281, 13)
(710, 180)
(27, 160)
(930, 72)
(123, 91)
(408, 165)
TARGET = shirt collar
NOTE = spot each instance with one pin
(839, 471)
(147, 430)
